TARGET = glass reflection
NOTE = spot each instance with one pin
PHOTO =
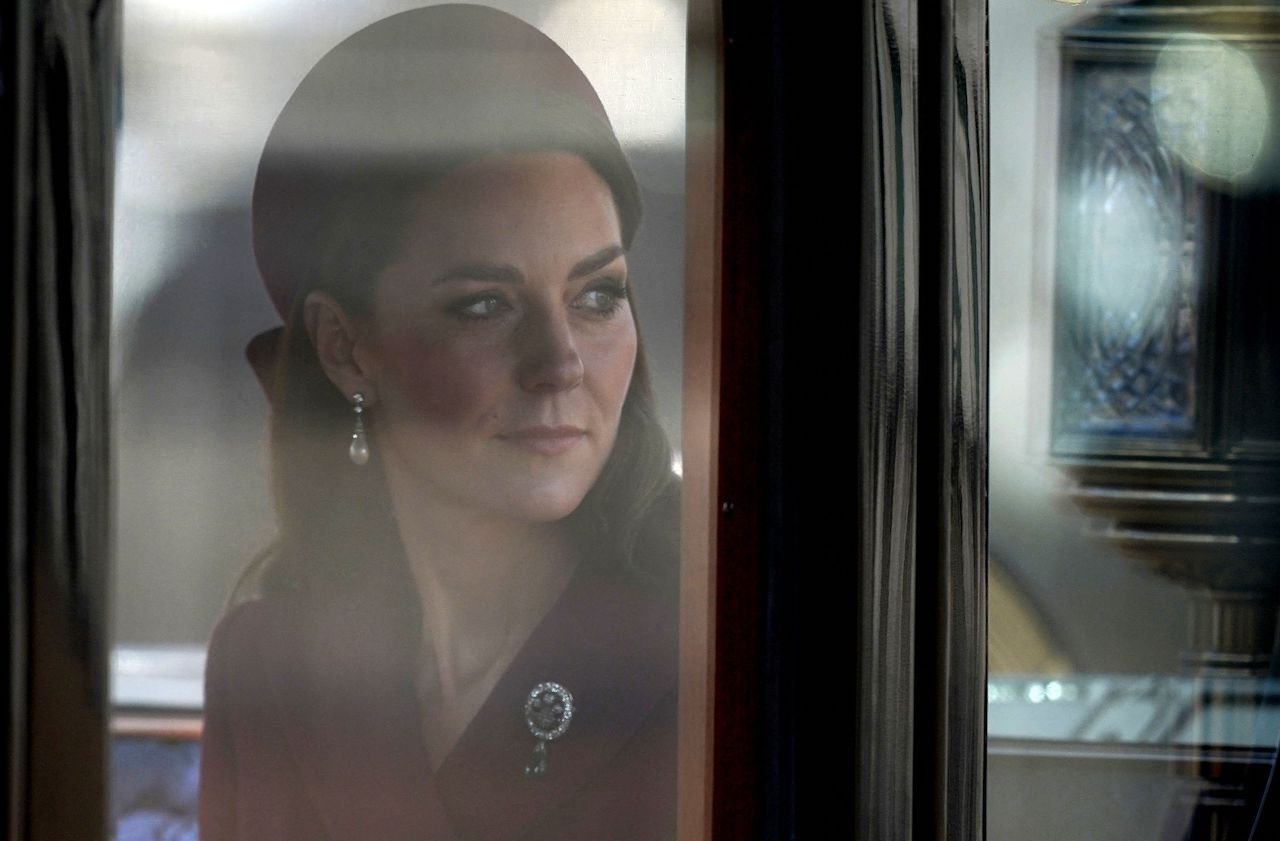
(203, 83)
(1134, 470)
(1210, 105)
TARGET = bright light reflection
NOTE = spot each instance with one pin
(231, 14)
(1210, 105)
(1129, 248)
(633, 51)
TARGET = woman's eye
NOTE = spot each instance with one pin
(476, 307)
(602, 299)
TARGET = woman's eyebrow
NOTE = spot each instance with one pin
(597, 261)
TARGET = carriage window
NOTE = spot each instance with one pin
(1135, 186)
(483, 274)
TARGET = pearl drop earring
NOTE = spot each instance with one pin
(359, 449)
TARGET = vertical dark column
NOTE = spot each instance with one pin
(792, 438)
(15, 103)
(921, 643)
(59, 96)
(951, 490)
(850, 585)
(888, 373)
(748, 113)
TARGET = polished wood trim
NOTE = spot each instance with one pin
(737, 424)
(700, 451)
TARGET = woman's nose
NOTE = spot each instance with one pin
(549, 354)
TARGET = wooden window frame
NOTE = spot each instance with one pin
(807, 528)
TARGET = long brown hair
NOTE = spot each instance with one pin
(331, 205)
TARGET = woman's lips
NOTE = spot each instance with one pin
(546, 440)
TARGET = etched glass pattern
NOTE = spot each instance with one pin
(1128, 280)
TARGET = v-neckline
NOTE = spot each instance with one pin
(501, 669)
(496, 675)
(608, 641)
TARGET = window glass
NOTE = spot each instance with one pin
(1134, 437)
(203, 85)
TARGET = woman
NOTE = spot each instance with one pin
(468, 629)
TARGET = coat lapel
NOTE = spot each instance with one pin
(346, 692)
(613, 646)
(354, 729)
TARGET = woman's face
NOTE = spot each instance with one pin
(502, 343)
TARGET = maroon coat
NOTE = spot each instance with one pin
(313, 731)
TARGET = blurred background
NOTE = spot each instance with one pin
(1059, 602)
(1134, 194)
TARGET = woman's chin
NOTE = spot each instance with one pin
(546, 508)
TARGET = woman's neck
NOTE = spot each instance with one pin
(484, 585)
(483, 592)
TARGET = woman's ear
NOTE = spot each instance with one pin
(335, 335)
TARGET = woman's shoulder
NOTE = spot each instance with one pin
(250, 615)
(249, 628)
(257, 655)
